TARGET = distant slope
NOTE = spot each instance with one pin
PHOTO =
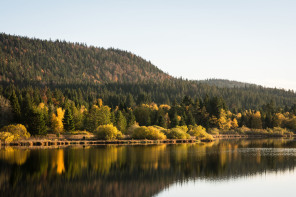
(224, 83)
(33, 60)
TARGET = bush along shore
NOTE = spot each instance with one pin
(17, 135)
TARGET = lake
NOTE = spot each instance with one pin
(220, 168)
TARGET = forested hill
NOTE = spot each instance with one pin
(25, 60)
(83, 74)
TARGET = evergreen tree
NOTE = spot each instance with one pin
(36, 122)
(190, 119)
(26, 110)
(120, 121)
(130, 102)
(131, 119)
(68, 120)
(161, 121)
(15, 107)
(112, 118)
(174, 120)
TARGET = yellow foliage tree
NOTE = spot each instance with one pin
(234, 123)
(224, 122)
(100, 102)
(154, 106)
(42, 106)
(278, 120)
(57, 121)
(255, 120)
(165, 107)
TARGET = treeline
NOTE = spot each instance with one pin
(43, 111)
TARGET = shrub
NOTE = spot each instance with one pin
(149, 133)
(279, 131)
(77, 132)
(177, 133)
(18, 131)
(161, 129)
(131, 129)
(243, 130)
(200, 133)
(214, 131)
(108, 132)
(7, 137)
(183, 128)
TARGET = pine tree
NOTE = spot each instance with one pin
(174, 120)
(161, 121)
(15, 107)
(37, 122)
(26, 110)
(68, 120)
(112, 118)
(131, 119)
(190, 119)
(130, 102)
(120, 121)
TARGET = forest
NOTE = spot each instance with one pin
(57, 86)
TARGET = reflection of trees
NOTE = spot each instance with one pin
(58, 161)
(14, 156)
(136, 170)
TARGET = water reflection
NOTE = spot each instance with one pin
(137, 170)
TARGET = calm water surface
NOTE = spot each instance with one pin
(225, 168)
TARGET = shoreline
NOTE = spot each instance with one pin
(82, 140)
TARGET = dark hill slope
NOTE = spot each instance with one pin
(33, 60)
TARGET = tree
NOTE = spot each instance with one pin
(26, 109)
(131, 119)
(121, 122)
(190, 119)
(174, 120)
(104, 115)
(255, 120)
(277, 120)
(15, 107)
(6, 114)
(97, 116)
(37, 122)
(234, 123)
(143, 115)
(130, 102)
(223, 122)
(57, 121)
(68, 120)
(161, 121)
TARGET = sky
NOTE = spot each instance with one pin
(245, 40)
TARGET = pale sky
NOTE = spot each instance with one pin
(245, 40)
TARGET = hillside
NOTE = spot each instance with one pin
(25, 60)
(84, 74)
